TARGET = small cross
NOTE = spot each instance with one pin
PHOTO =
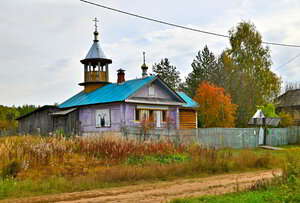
(96, 21)
(144, 56)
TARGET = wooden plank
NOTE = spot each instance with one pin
(270, 147)
(187, 119)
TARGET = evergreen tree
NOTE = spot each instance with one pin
(168, 73)
(205, 67)
(182, 87)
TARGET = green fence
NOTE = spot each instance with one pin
(211, 137)
(277, 136)
(294, 135)
(219, 137)
(228, 137)
(283, 136)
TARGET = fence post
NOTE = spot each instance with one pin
(265, 131)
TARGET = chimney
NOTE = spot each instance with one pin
(121, 76)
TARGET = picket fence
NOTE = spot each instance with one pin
(218, 137)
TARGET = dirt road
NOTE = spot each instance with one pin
(160, 191)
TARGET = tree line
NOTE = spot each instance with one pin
(9, 114)
(242, 71)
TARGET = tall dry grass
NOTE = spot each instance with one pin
(104, 159)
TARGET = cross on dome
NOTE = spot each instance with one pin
(96, 21)
(144, 66)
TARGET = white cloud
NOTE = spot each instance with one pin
(42, 42)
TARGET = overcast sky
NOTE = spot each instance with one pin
(43, 41)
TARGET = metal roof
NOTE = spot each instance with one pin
(61, 113)
(37, 110)
(288, 99)
(109, 93)
(269, 121)
(190, 102)
(259, 114)
(95, 52)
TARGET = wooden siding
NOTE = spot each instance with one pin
(69, 123)
(187, 118)
(89, 87)
(39, 119)
(294, 111)
(95, 76)
(46, 123)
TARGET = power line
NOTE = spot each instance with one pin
(179, 26)
(154, 20)
(282, 65)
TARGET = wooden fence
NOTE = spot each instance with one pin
(219, 137)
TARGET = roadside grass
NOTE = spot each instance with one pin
(34, 165)
(10, 188)
(285, 188)
(271, 195)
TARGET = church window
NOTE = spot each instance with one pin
(151, 91)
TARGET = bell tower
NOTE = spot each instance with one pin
(95, 63)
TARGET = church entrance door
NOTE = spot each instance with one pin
(158, 118)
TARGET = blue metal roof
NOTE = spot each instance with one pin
(190, 102)
(109, 93)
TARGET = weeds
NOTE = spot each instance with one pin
(162, 159)
(110, 160)
(288, 185)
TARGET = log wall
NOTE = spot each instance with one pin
(187, 119)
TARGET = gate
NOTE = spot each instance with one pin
(261, 136)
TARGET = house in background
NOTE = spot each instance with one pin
(104, 106)
(289, 102)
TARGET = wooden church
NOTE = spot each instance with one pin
(103, 105)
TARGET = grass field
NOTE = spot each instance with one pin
(273, 194)
(279, 189)
(34, 165)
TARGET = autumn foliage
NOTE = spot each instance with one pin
(215, 106)
(286, 119)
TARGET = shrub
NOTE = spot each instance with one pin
(11, 169)
(162, 159)
(248, 159)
